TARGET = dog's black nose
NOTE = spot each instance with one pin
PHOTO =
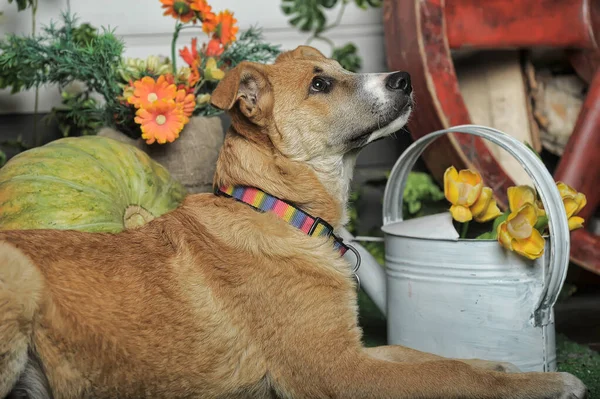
(399, 81)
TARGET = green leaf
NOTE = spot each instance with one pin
(348, 57)
(361, 4)
(328, 3)
(490, 235)
(500, 219)
(307, 15)
(23, 4)
(2, 158)
(541, 224)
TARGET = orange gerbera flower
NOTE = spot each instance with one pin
(148, 91)
(208, 18)
(186, 102)
(214, 48)
(190, 56)
(179, 9)
(161, 122)
(226, 29)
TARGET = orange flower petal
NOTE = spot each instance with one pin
(161, 122)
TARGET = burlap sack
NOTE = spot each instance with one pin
(190, 159)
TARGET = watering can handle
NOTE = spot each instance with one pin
(555, 274)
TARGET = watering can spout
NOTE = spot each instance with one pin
(372, 275)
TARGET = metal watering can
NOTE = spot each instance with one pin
(462, 298)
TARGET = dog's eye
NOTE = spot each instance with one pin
(320, 85)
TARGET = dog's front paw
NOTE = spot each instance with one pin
(573, 387)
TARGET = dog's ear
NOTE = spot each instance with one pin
(301, 53)
(247, 84)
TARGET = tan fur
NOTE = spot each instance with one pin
(216, 300)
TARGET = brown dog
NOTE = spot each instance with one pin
(217, 300)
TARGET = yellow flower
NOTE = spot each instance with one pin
(462, 189)
(211, 72)
(517, 233)
(574, 203)
(203, 99)
(521, 195)
(485, 208)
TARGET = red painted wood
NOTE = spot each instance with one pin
(517, 23)
(585, 250)
(585, 63)
(416, 38)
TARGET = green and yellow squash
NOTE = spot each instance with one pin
(91, 183)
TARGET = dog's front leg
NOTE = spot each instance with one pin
(364, 376)
(396, 353)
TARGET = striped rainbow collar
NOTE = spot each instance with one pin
(264, 202)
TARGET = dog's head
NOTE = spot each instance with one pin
(310, 107)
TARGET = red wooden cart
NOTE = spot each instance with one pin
(419, 35)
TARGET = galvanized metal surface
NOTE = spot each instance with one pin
(471, 298)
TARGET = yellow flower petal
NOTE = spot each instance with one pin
(469, 176)
(450, 188)
(211, 63)
(520, 224)
(217, 74)
(570, 206)
(540, 208)
(565, 190)
(575, 223)
(519, 196)
(461, 213)
(503, 237)
(492, 212)
(531, 247)
(581, 201)
(470, 187)
(485, 207)
(527, 212)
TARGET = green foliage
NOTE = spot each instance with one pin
(580, 361)
(364, 4)
(307, 15)
(310, 16)
(493, 234)
(55, 57)
(79, 114)
(420, 190)
(2, 158)
(348, 57)
(252, 47)
(23, 4)
(63, 55)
